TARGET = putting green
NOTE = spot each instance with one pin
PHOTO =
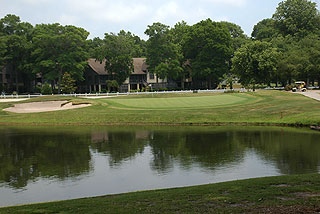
(179, 102)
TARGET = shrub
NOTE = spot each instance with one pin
(289, 87)
(46, 89)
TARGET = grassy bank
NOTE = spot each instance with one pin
(264, 107)
(285, 194)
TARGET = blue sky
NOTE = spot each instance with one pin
(105, 16)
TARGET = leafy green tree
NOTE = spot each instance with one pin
(46, 89)
(300, 60)
(255, 63)
(3, 49)
(68, 84)
(208, 47)
(264, 30)
(92, 45)
(297, 17)
(138, 46)
(162, 52)
(238, 38)
(112, 84)
(178, 66)
(237, 35)
(15, 38)
(117, 51)
(59, 49)
(171, 70)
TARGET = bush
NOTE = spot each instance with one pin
(46, 89)
(37, 89)
(289, 87)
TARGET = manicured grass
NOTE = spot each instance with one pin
(263, 107)
(195, 102)
(285, 194)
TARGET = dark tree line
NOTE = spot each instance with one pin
(292, 43)
(282, 49)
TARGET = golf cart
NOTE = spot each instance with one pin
(299, 86)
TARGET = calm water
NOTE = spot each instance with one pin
(47, 163)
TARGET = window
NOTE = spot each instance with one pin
(151, 76)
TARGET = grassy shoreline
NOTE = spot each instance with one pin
(260, 108)
(281, 194)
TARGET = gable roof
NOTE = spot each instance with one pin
(97, 66)
(139, 64)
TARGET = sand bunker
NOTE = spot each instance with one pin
(44, 107)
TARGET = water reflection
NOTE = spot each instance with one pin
(119, 145)
(293, 152)
(128, 158)
(25, 156)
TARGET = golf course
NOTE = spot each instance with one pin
(284, 194)
(262, 107)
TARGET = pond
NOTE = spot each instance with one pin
(56, 163)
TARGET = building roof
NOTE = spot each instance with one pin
(140, 66)
(97, 66)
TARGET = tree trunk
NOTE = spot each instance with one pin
(231, 85)
(59, 81)
(182, 83)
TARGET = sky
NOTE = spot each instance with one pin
(106, 16)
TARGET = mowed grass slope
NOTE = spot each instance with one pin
(174, 103)
(259, 107)
(285, 194)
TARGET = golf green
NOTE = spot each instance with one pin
(179, 102)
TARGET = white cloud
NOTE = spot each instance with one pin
(67, 20)
(171, 13)
(167, 10)
(35, 2)
(237, 3)
(111, 11)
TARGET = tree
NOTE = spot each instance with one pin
(46, 89)
(207, 45)
(3, 49)
(68, 84)
(15, 38)
(300, 60)
(59, 49)
(138, 45)
(161, 51)
(297, 17)
(117, 51)
(238, 37)
(112, 84)
(178, 66)
(264, 30)
(255, 63)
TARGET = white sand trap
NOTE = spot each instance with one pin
(12, 100)
(43, 107)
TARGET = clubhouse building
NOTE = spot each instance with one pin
(96, 77)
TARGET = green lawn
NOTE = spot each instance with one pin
(210, 108)
(285, 194)
(175, 103)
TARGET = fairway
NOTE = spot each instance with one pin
(179, 102)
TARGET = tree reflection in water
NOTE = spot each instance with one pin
(28, 154)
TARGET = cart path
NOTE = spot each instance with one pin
(311, 94)
(12, 100)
